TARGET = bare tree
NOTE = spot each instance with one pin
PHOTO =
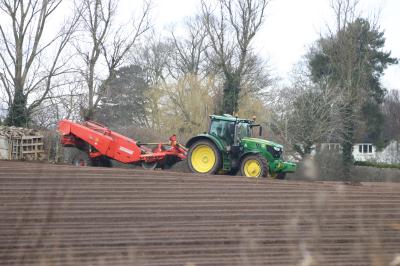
(155, 59)
(189, 102)
(62, 102)
(188, 51)
(304, 114)
(352, 61)
(391, 111)
(345, 12)
(29, 59)
(313, 119)
(108, 43)
(231, 26)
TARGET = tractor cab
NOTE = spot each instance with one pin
(223, 130)
(231, 130)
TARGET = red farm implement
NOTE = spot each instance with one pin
(101, 144)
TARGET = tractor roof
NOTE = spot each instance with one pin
(231, 118)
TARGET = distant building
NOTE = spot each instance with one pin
(365, 152)
(368, 152)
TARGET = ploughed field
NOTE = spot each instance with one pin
(64, 215)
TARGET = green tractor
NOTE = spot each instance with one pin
(229, 147)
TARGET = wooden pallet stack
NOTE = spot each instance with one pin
(18, 143)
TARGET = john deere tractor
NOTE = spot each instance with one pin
(229, 147)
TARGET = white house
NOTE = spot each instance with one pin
(368, 152)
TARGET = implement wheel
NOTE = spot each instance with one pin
(254, 166)
(82, 159)
(204, 157)
(149, 166)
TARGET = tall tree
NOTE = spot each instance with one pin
(188, 102)
(312, 118)
(231, 26)
(188, 51)
(154, 58)
(351, 59)
(391, 111)
(107, 44)
(126, 98)
(24, 49)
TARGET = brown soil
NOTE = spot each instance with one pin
(62, 215)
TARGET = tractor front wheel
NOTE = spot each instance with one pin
(204, 157)
(279, 176)
(254, 166)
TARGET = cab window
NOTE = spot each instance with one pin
(223, 130)
(243, 130)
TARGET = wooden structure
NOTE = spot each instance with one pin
(20, 144)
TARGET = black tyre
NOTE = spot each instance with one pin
(281, 176)
(117, 164)
(69, 154)
(204, 157)
(149, 166)
(103, 161)
(233, 171)
(254, 166)
(278, 176)
(168, 162)
(83, 159)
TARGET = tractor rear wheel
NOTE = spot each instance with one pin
(204, 157)
(254, 166)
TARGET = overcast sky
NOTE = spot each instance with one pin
(292, 25)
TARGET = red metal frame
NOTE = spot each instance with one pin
(116, 146)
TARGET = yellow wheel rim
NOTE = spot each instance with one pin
(252, 168)
(203, 158)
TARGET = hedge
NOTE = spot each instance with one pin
(377, 165)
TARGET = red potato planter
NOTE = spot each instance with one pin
(101, 143)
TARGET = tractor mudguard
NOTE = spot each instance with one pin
(211, 138)
(248, 153)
